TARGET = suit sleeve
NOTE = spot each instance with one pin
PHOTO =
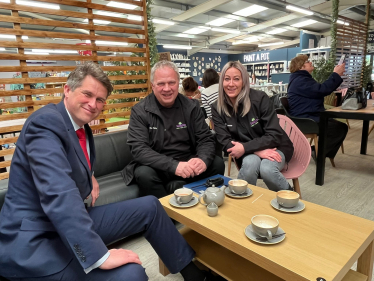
(47, 143)
(310, 88)
(270, 123)
(139, 143)
(205, 143)
(223, 134)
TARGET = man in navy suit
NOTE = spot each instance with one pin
(46, 233)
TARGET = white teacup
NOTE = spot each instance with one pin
(183, 195)
(238, 186)
(288, 198)
(264, 225)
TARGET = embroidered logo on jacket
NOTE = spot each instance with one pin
(181, 126)
(254, 122)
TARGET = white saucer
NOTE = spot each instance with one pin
(174, 202)
(243, 195)
(298, 208)
(252, 236)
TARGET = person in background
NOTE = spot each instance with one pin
(248, 129)
(306, 96)
(46, 232)
(210, 94)
(253, 79)
(168, 138)
(190, 89)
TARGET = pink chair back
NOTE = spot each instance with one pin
(302, 151)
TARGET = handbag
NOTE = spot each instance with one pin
(354, 99)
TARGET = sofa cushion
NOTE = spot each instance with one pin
(113, 189)
(112, 153)
(3, 190)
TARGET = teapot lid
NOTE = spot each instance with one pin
(213, 189)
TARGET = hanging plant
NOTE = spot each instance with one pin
(152, 42)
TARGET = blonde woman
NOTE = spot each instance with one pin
(248, 129)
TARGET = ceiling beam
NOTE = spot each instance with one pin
(200, 9)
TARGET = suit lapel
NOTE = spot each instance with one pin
(73, 136)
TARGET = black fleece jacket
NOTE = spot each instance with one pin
(259, 128)
(146, 136)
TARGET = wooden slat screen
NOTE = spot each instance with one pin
(351, 40)
(78, 31)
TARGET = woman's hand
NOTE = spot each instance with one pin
(339, 69)
(269, 154)
(237, 151)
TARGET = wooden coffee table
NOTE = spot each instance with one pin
(320, 242)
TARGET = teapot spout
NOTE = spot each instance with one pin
(223, 188)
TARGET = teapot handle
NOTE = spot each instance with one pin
(201, 195)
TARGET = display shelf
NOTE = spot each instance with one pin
(315, 55)
(277, 67)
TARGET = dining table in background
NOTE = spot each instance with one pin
(365, 114)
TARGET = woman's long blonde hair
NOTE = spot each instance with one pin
(242, 98)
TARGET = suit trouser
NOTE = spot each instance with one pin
(159, 183)
(122, 219)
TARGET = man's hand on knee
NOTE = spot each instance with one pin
(197, 165)
(184, 170)
(119, 257)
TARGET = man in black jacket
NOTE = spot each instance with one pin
(169, 138)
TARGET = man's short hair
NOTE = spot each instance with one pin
(162, 64)
(298, 62)
(77, 76)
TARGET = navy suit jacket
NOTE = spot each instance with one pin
(44, 223)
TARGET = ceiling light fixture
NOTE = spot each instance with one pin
(220, 21)
(108, 43)
(98, 21)
(133, 17)
(31, 53)
(195, 30)
(304, 23)
(7, 36)
(342, 22)
(271, 44)
(2, 49)
(167, 22)
(276, 31)
(5, 1)
(38, 4)
(234, 31)
(299, 10)
(204, 27)
(184, 47)
(54, 51)
(185, 35)
(110, 14)
(254, 9)
(121, 5)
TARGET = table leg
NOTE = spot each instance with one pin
(364, 138)
(365, 262)
(162, 268)
(320, 171)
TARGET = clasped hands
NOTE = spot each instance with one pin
(271, 154)
(190, 169)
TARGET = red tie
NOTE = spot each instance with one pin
(82, 141)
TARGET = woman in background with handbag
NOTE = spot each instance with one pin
(306, 96)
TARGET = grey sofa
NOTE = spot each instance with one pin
(112, 155)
